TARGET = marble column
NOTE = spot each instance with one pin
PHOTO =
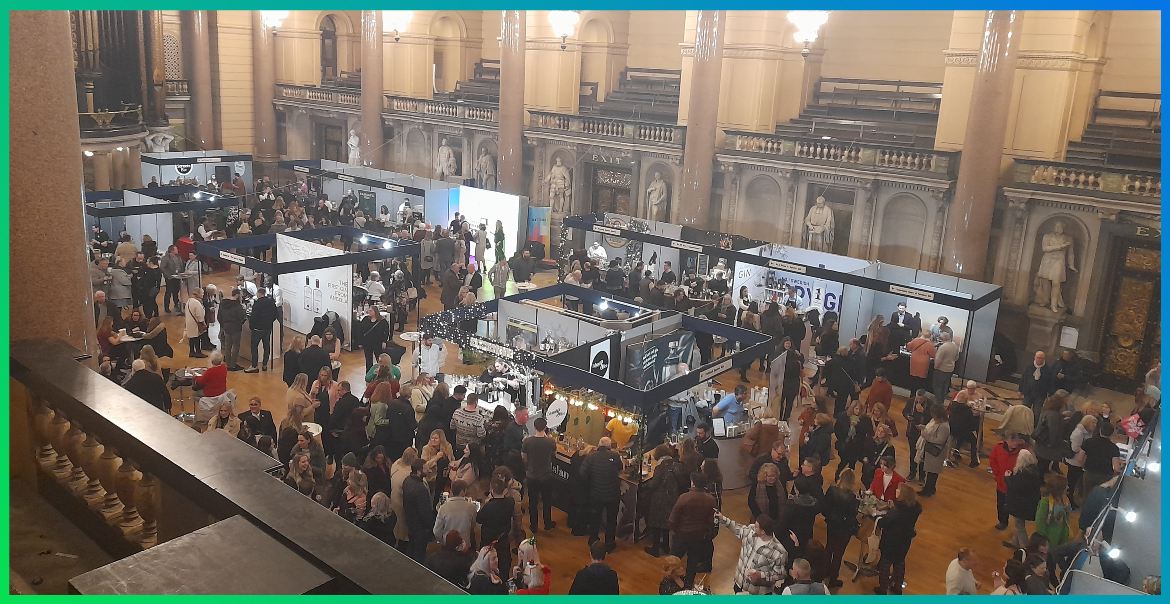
(969, 224)
(118, 159)
(702, 117)
(101, 170)
(513, 41)
(372, 89)
(200, 126)
(134, 167)
(157, 60)
(45, 139)
(264, 76)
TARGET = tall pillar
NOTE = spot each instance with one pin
(101, 170)
(511, 125)
(969, 224)
(118, 159)
(157, 61)
(264, 76)
(134, 167)
(200, 127)
(702, 118)
(372, 89)
(45, 138)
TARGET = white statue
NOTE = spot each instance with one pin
(1058, 255)
(159, 141)
(445, 162)
(819, 223)
(560, 183)
(355, 153)
(485, 171)
(657, 198)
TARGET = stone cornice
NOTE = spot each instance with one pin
(1084, 203)
(1044, 60)
(906, 180)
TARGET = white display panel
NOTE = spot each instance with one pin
(159, 225)
(481, 206)
(311, 293)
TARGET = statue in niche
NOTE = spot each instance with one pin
(158, 141)
(354, 144)
(1058, 257)
(820, 225)
(485, 171)
(560, 183)
(657, 198)
(445, 162)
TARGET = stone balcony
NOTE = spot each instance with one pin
(1115, 182)
(833, 152)
(636, 133)
(447, 111)
(332, 98)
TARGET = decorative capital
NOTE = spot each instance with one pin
(1108, 214)
(1017, 203)
(939, 194)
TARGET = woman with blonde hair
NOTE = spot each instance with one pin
(1023, 495)
(674, 574)
(764, 496)
(291, 359)
(298, 395)
(353, 506)
(224, 419)
(148, 356)
(384, 363)
(302, 476)
(380, 520)
(484, 578)
(325, 393)
(286, 435)
(438, 455)
(398, 473)
(532, 578)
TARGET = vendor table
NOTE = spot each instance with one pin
(571, 496)
(185, 377)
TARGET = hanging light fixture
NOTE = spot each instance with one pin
(396, 21)
(807, 23)
(273, 18)
(562, 22)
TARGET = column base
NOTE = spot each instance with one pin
(1044, 329)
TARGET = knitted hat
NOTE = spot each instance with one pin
(349, 460)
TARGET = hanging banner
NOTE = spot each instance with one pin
(539, 226)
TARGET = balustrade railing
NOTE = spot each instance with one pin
(1089, 178)
(464, 111)
(177, 88)
(943, 163)
(633, 130)
(320, 95)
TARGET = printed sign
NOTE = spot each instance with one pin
(682, 245)
(787, 266)
(492, 348)
(713, 371)
(304, 169)
(606, 230)
(230, 257)
(913, 293)
(599, 361)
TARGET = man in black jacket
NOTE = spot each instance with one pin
(523, 266)
(231, 328)
(267, 425)
(597, 579)
(1037, 383)
(103, 308)
(373, 341)
(418, 512)
(495, 520)
(264, 313)
(963, 426)
(602, 472)
(451, 285)
(149, 386)
(402, 424)
(346, 403)
(312, 358)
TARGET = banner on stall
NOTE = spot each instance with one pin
(310, 294)
(649, 364)
(539, 226)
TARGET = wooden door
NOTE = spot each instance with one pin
(1133, 324)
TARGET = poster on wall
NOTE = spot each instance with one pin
(368, 203)
(314, 293)
(539, 226)
(631, 252)
(651, 363)
(520, 334)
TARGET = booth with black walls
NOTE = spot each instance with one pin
(200, 165)
(152, 211)
(314, 279)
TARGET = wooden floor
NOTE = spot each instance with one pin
(961, 514)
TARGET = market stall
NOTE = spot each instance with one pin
(153, 211)
(174, 167)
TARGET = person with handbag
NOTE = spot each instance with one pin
(932, 448)
(1051, 446)
(839, 507)
(196, 324)
(897, 528)
(917, 413)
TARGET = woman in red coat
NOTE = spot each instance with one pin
(532, 578)
(214, 380)
(886, 481)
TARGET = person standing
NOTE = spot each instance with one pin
(917, 413)
(495, 520)
(1101, 457)
(538, 451)
(922, 351)
(944, 365)
(468, 422)
(897, 532)
(418, 513)
(1082, 432)
(1023, 484)
(693, 522)
(1037, 383)
(840, 510)
(802, 583)
(1001, 462)
(430, 357)
(523, 267)
(373, 341)
(933, 443)
(960, 580)
(761, 557)
(231, 328)
(195, 326)
(1048, 437)
(602, 470)
(498, 276)
(264, 314)
(597, 579)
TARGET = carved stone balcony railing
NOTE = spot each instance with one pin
(476, 112)
(1088, 178)
(324, 96)
(102, 123)
(610, 128)
(134, 479)
(177, 88)
(938, 163)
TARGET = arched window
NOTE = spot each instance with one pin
(328, 51)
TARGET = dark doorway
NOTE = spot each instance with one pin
(611, 190)
(328, 51)
(1132, 327)
(328, 142)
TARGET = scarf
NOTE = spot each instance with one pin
(853, 419)
(762, 498)
(1036, 374)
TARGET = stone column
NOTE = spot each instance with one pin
(702, 117)
(264, 76)
(513, 41)
(372, 89)
(118, 159)
(157, 59)
(969, 223)
(101, 170)
(134, 167)
(45, 139)
(200, 126)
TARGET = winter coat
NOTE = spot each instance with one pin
(898, 531)
(602, 470)
(193, 315)
(1002, 460)
(820, 442)
(663, 492)
(1049, 436)
(231, 316)
(1023, 492)
(416, 507)
(938, 433)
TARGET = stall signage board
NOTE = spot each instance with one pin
(715, 370)
(682, 245)
(230, 257)
(493, 348)
(606, 230)
(913, 293)
(787, 266)
(208, 160)
(599, 361)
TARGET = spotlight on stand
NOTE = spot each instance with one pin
(562, 22)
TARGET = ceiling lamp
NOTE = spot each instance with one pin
(562, 23)
(395, 21)
(273, 18)
(807, 23)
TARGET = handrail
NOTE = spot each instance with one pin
(610, 127)
(1089, 177)
(466, 110)
(859, 153)
(217, 472)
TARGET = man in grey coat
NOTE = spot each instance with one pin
(445, 251)
(231, 327)
(171, 266)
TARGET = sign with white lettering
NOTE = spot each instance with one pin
(304, 169)
(493, 348)
(911, 292)
(606, 230)
(208, 160)
(345, 177)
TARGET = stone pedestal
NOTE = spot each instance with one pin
(1044, 330)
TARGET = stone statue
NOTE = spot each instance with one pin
(445, 162)
(485, 171)
(158, 141)
(355, 154)
(1058, 255)
(820, 224)
(657, 198)
(560, 187)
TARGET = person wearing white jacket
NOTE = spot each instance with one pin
(430, 357)
(741, 302)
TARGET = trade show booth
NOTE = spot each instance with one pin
(151, 212)
(856, 290)
(170, 167)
